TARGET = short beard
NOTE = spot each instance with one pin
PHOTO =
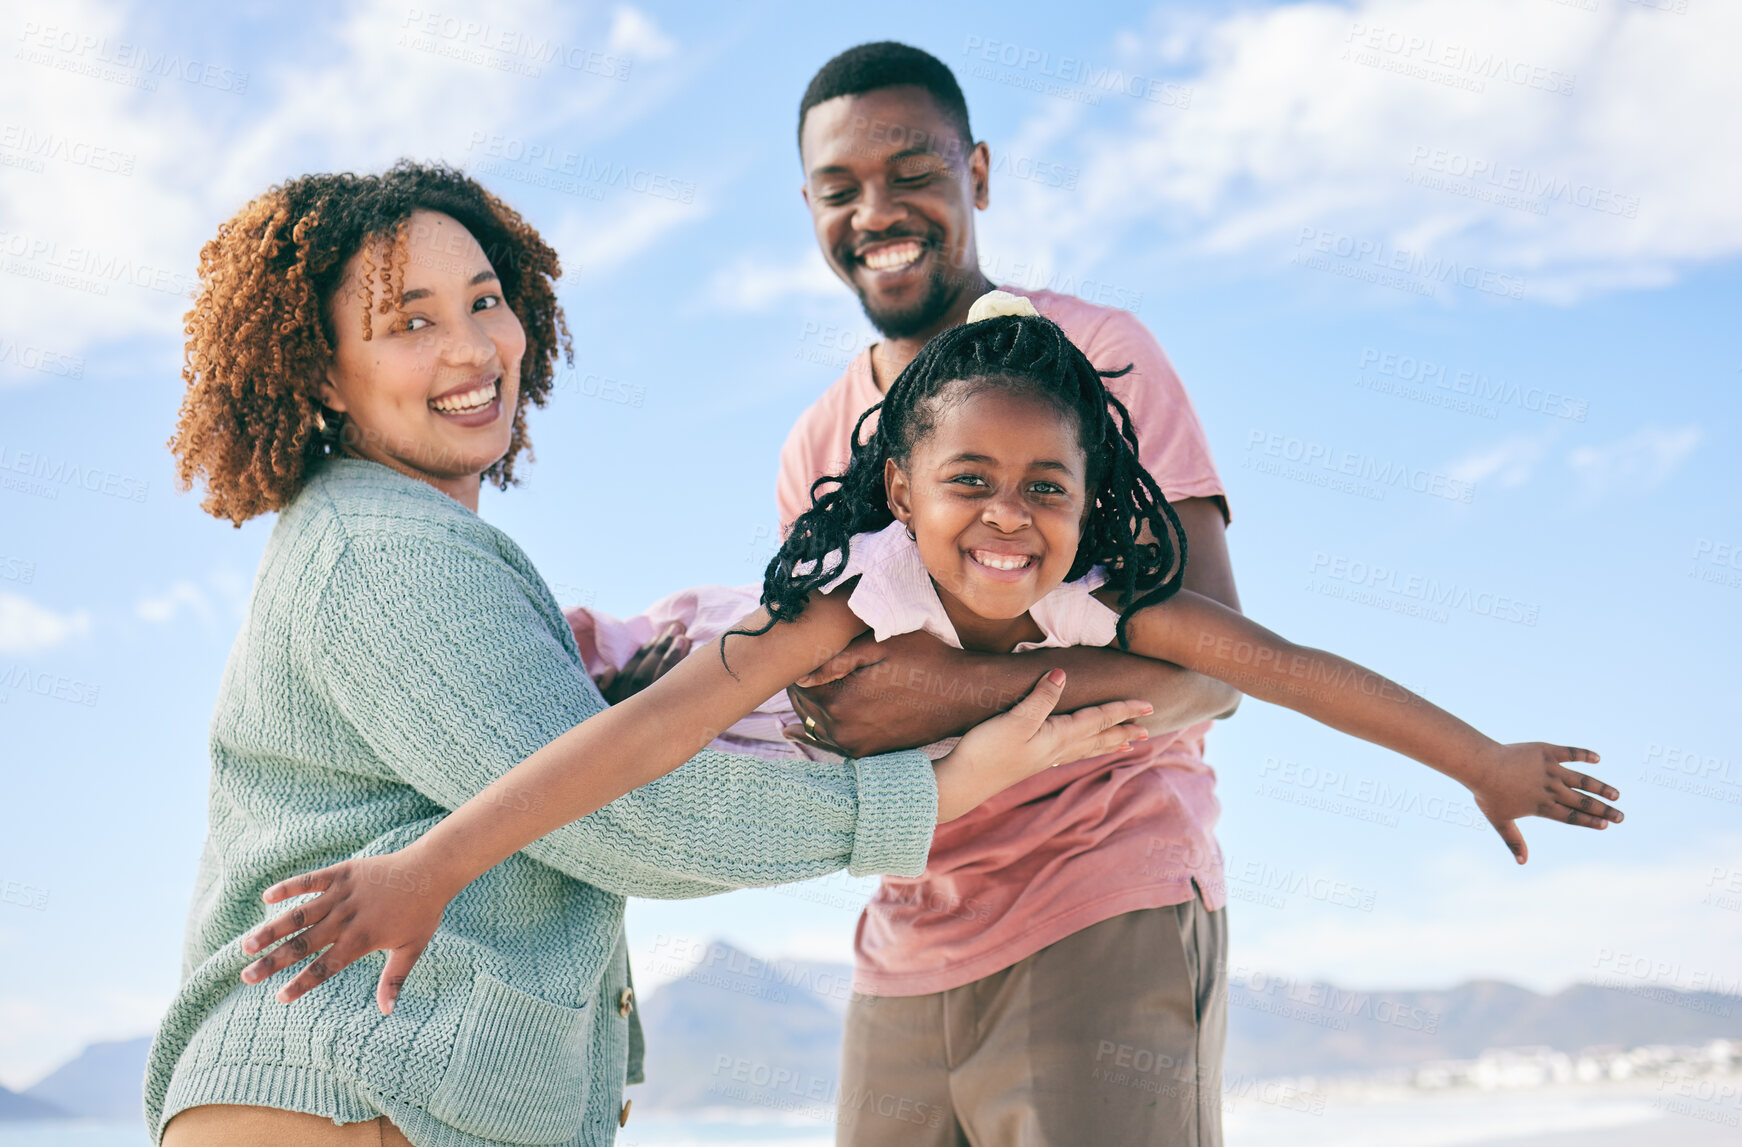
(919, 317)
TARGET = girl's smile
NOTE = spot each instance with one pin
(1003, 565)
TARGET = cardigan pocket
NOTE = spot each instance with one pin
(519, 1072)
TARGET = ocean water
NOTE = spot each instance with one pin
(73, 1135)
(1549, 1117)
(1558, 1117)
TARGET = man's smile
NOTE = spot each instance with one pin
(891, 255)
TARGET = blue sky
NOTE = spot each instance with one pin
(1477, 248)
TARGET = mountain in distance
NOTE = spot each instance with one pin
(742, 1032)
(736, 1029)
(1278, 1026)
(105, 1081)
(739, 1031)
(16, 1107)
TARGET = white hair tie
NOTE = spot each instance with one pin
(994, 303)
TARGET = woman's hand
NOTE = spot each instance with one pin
(390, 902)
(1528, 779)
(651, 662)
(1012, 746)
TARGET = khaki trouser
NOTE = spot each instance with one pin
(1113, 1035)
(236, 1125)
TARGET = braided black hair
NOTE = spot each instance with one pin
(1025, 353)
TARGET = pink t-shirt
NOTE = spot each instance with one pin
(1074, 845)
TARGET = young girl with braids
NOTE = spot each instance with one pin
(998, 503)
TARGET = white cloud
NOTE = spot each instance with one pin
(635, 34)
(1526, 925)
(1307, 116)
(183, 595)
(758, 283)
(594, 245)
(1511, 462)
(1644, 460)
(26, 627)
(224, 591)
(383, 86)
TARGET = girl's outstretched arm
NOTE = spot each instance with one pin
(361, 905)
(602, 758)
(1508, 781)
(635, 741)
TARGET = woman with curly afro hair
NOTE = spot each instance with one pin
(360, 359)
(297, 311)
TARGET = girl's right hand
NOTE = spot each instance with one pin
(1015, 745)
(365, 905)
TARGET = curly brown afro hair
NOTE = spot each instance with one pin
(260, 334)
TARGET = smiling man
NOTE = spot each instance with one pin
(1058, 974)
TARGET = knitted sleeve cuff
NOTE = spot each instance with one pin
(898, 808)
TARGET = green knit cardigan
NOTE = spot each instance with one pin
(399, 655)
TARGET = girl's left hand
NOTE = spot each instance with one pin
(365, 905)
(1528, 779)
